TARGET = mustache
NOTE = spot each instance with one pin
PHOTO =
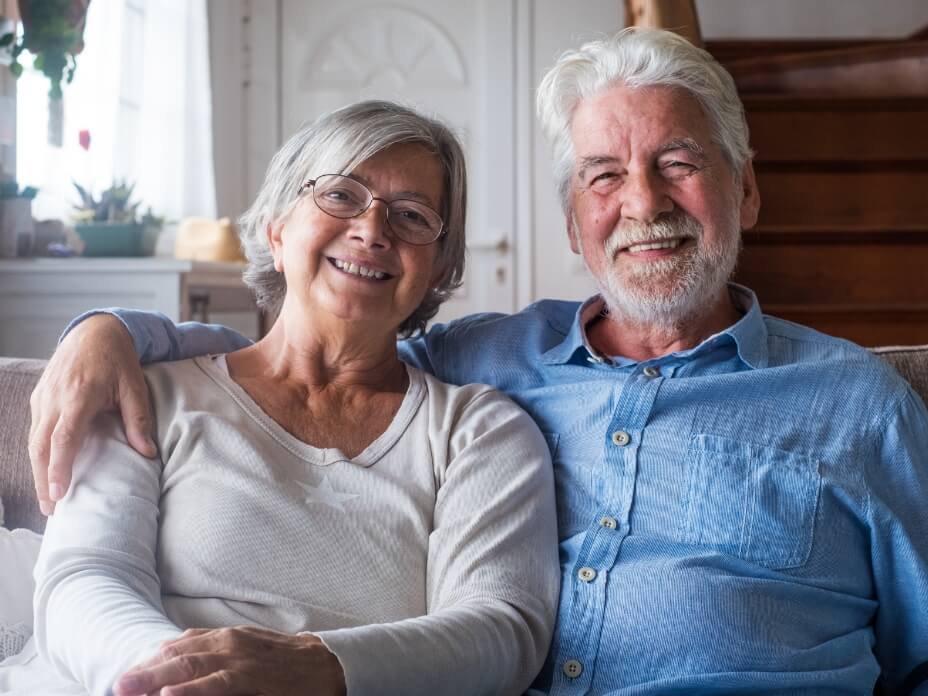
(631, 232)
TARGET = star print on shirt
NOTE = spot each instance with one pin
(325, 494)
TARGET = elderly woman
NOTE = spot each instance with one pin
(322, 516)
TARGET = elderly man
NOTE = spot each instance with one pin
(740, 499)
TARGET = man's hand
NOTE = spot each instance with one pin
(95, 369)
(234, 661)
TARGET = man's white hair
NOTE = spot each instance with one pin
(637, 57)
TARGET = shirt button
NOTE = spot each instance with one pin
(651, 372)
(586, 574)
(573, 668)
(620, 438)
(608, 522)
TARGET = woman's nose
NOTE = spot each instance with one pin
(371, 226)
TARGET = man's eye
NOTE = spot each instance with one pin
(678, 168)
(603, 179)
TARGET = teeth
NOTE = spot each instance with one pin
(669, 244)
(362, 271)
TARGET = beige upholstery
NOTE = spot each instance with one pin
(17, 378)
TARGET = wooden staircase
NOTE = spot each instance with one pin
(840, 131)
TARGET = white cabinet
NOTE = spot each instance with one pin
(39, 296)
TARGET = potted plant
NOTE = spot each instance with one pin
(53, 32)
(109, 225)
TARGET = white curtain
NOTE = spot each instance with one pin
(175, 152)
(142, 90)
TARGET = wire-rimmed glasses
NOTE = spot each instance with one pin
(343, 197)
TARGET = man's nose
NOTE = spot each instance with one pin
(371, 226)
(644, 196)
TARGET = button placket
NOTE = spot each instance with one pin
(620, 438)
(573, 669)
(586, 574)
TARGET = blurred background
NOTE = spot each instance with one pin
(183, 102)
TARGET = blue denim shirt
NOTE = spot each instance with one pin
(748, 516)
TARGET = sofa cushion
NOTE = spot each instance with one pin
(17, 379)
(911, 362)
(18, 552)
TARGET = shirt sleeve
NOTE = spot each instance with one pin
(899, 542)
(158, 339)
(97, 603)
(493, 573)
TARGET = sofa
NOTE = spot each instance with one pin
(18, 377)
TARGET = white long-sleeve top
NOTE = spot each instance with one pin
(427, 564)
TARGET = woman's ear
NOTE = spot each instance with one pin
(273, 232)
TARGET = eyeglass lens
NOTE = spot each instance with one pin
(344, 197)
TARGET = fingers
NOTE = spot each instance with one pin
(135, 408)
(40, 435)
(94, 369)
(183, 675)
(167, 672)
(66, 439)
(216, 684)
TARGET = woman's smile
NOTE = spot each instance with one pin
(359, 269)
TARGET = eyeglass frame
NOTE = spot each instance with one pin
(312, 183)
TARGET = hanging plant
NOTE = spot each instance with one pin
(53, 32)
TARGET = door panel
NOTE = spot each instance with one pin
(450, 59)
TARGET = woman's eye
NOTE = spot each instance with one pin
(412, 216)
(340, 195)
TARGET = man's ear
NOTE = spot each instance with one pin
(573, 232)
(750, 197)
(273, 231)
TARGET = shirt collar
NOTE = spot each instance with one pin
(576, 339)
(749, 333)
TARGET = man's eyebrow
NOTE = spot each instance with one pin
(687, 144)
(593, 161)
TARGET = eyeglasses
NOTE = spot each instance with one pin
(344, 197)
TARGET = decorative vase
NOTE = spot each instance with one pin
(111, 238)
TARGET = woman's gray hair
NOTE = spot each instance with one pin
(336, 143)
(638, 57)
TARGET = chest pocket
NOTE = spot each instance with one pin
(756, 503)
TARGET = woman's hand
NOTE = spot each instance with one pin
(95, 369)
(233, 661)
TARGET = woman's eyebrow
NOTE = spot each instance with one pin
(397, 195)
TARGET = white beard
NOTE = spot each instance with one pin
(666, 293)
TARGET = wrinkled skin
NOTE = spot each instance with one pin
(232, 661)
(95, 369)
